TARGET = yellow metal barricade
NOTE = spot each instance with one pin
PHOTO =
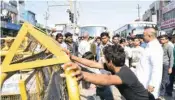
(39, 72)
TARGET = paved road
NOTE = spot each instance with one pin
(171, 98)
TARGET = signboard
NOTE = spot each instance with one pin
(168, 24)
(169, 7)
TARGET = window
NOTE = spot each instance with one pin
(169, 15)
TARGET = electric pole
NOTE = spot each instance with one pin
(46, 17)
(18, 8)
(138, 7)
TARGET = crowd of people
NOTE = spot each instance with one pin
(134, 68)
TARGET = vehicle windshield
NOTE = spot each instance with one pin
(138, 28)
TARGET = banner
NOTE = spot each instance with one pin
(168, 24)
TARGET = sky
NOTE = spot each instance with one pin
(110, 13)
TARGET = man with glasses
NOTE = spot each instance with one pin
(149, 70)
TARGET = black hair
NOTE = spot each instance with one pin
(88, 55)
(137, 37)
(58, 35)
(116, 54)
(140, 36)
(169, 37)
(68, 34)
(115, 36)
(128, 37)
(164, 36)
(104, 34)
(122, 40)
(98, 38)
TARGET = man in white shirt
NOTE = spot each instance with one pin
(136, 54)
(127, 51)
(149, 71)
(84, 45)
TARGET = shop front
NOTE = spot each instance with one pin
(168, 23)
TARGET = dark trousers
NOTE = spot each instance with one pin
(165, 80)
(104, 93)
(172, 80)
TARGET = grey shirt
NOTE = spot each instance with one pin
(168, 57)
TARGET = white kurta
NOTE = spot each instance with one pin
(149, 71)
(84, 47)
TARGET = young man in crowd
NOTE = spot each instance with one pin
(71, 45)
(116, 39)
(104, 42)
(106, 92)
(122, 77)
(127, 50)
(59, 39)
(88, 90)
(172, 75)
(168, 61)
(136, 54)
(98, 47)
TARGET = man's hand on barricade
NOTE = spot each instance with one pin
(77, 70)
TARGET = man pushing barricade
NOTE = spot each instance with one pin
(122, 77)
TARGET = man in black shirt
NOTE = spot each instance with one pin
(122, 77)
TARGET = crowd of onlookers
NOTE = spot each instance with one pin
(149, 58)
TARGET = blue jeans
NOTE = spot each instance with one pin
(165, 80)
(104, 93)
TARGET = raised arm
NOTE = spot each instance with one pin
(87, 62)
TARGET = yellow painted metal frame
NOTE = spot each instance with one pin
(4, 50)
(38, 85)
(23, 91)
(60, 57)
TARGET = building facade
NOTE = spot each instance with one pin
(161, 12)
(12, 14)
(168, 18)
(9, 18)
